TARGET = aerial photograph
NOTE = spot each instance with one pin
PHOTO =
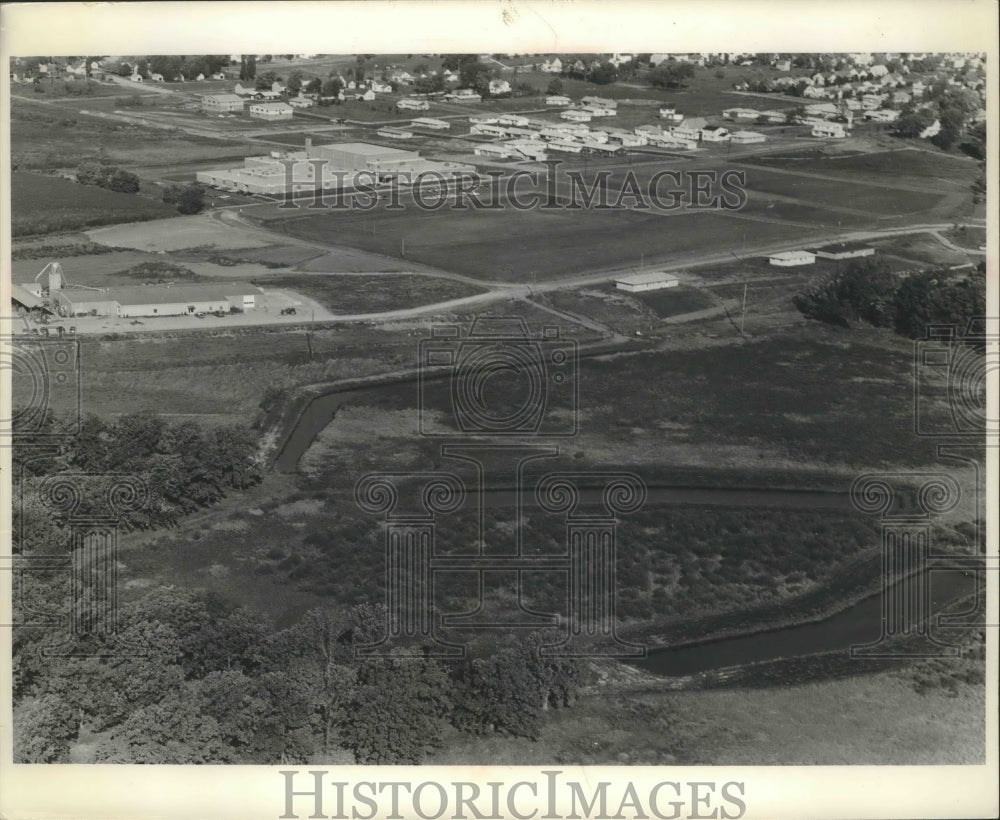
(557, 409)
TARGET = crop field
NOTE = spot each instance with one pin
(519, 246)
(906, 167)
(346, 294)
(46, 204)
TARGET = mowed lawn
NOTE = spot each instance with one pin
(45, 204)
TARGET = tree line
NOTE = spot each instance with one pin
(867, 291)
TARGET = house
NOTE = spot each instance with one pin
(557, 99)
(136, 77)
(931, 130)
(412, 105)
(463, 95)
(746, 137)
(672, 141)
(813, 92)
(529, 149)
(878, 70)
(156, 78)
(604, 148)
(844, 250)
(818, 79)
(620, 59)
(773, 115)
(918, 88)
(301, 102)
(575, 115)
(271, 111)
(689, 129)
(379, 87)
(493, 151)
(833, 130)
(366, 96)
(217, 103)
(789, 259)
(653, 280)
(498, 87)
(553, 66)
(512, 119)
(900, 98)
(427, 122)
(626, 138)
(714, 133)
(882, 115)
(783, 65)
(219, 76)
(669, 112)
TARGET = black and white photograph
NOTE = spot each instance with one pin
(579, 411)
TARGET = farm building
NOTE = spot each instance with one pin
(746, 137)
(156, 300)
(427, 122)
(844, 250)
(790, 259)
(271, 111)
(413, 105)
(654, 280)
(221, 103)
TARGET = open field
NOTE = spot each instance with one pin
(346, 294)
(46, 204)
(177, 233)
(675, 301)
(875, 719)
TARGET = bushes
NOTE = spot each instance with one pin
(189, 199)
(107, 176)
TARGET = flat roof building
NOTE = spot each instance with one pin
(654, 280)
(221, 103)
(789, 259)
(271, 111)
(844, 250)
(157, 300)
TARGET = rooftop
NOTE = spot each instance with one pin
(645, 278)
(161, 294)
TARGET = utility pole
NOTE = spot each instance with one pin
(402, 246)
(743, 313)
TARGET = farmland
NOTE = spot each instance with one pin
(46, 204)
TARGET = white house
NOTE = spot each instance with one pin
(882, 115)
(653, 280)
(301, 102)
(931, 130)
(498, 87)
(783, 65)
(746, 137)
(271, 111)
(670, 113)
(790, 259)
(553, 66)
(156, 78)
(833, 130)
(557, 99)
(714, 133)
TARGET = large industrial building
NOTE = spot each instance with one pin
(155, 300)
(325, 167)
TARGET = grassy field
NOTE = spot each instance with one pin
(45, 204)
(876, 719)
(677, 300)
(345, 294)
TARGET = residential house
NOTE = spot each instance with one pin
(498, 87)
(714, 133)
(271, 111)
(832, 130)
(689, 129)
(783, 65)
(301, 102)
(746, 137)
(553, 66)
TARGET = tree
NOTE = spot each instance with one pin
(795, 114)
(266, 80)
(603, 74)
(397, 713)
(912, 124)
(938, 296)
(314, 86)
(248, 66)
(864, 291)
(555, 86)
(44, 728)
(332, 88)
(475, 75)
(123, 182)
(671, 74)
(191, 199)
(294, 83)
